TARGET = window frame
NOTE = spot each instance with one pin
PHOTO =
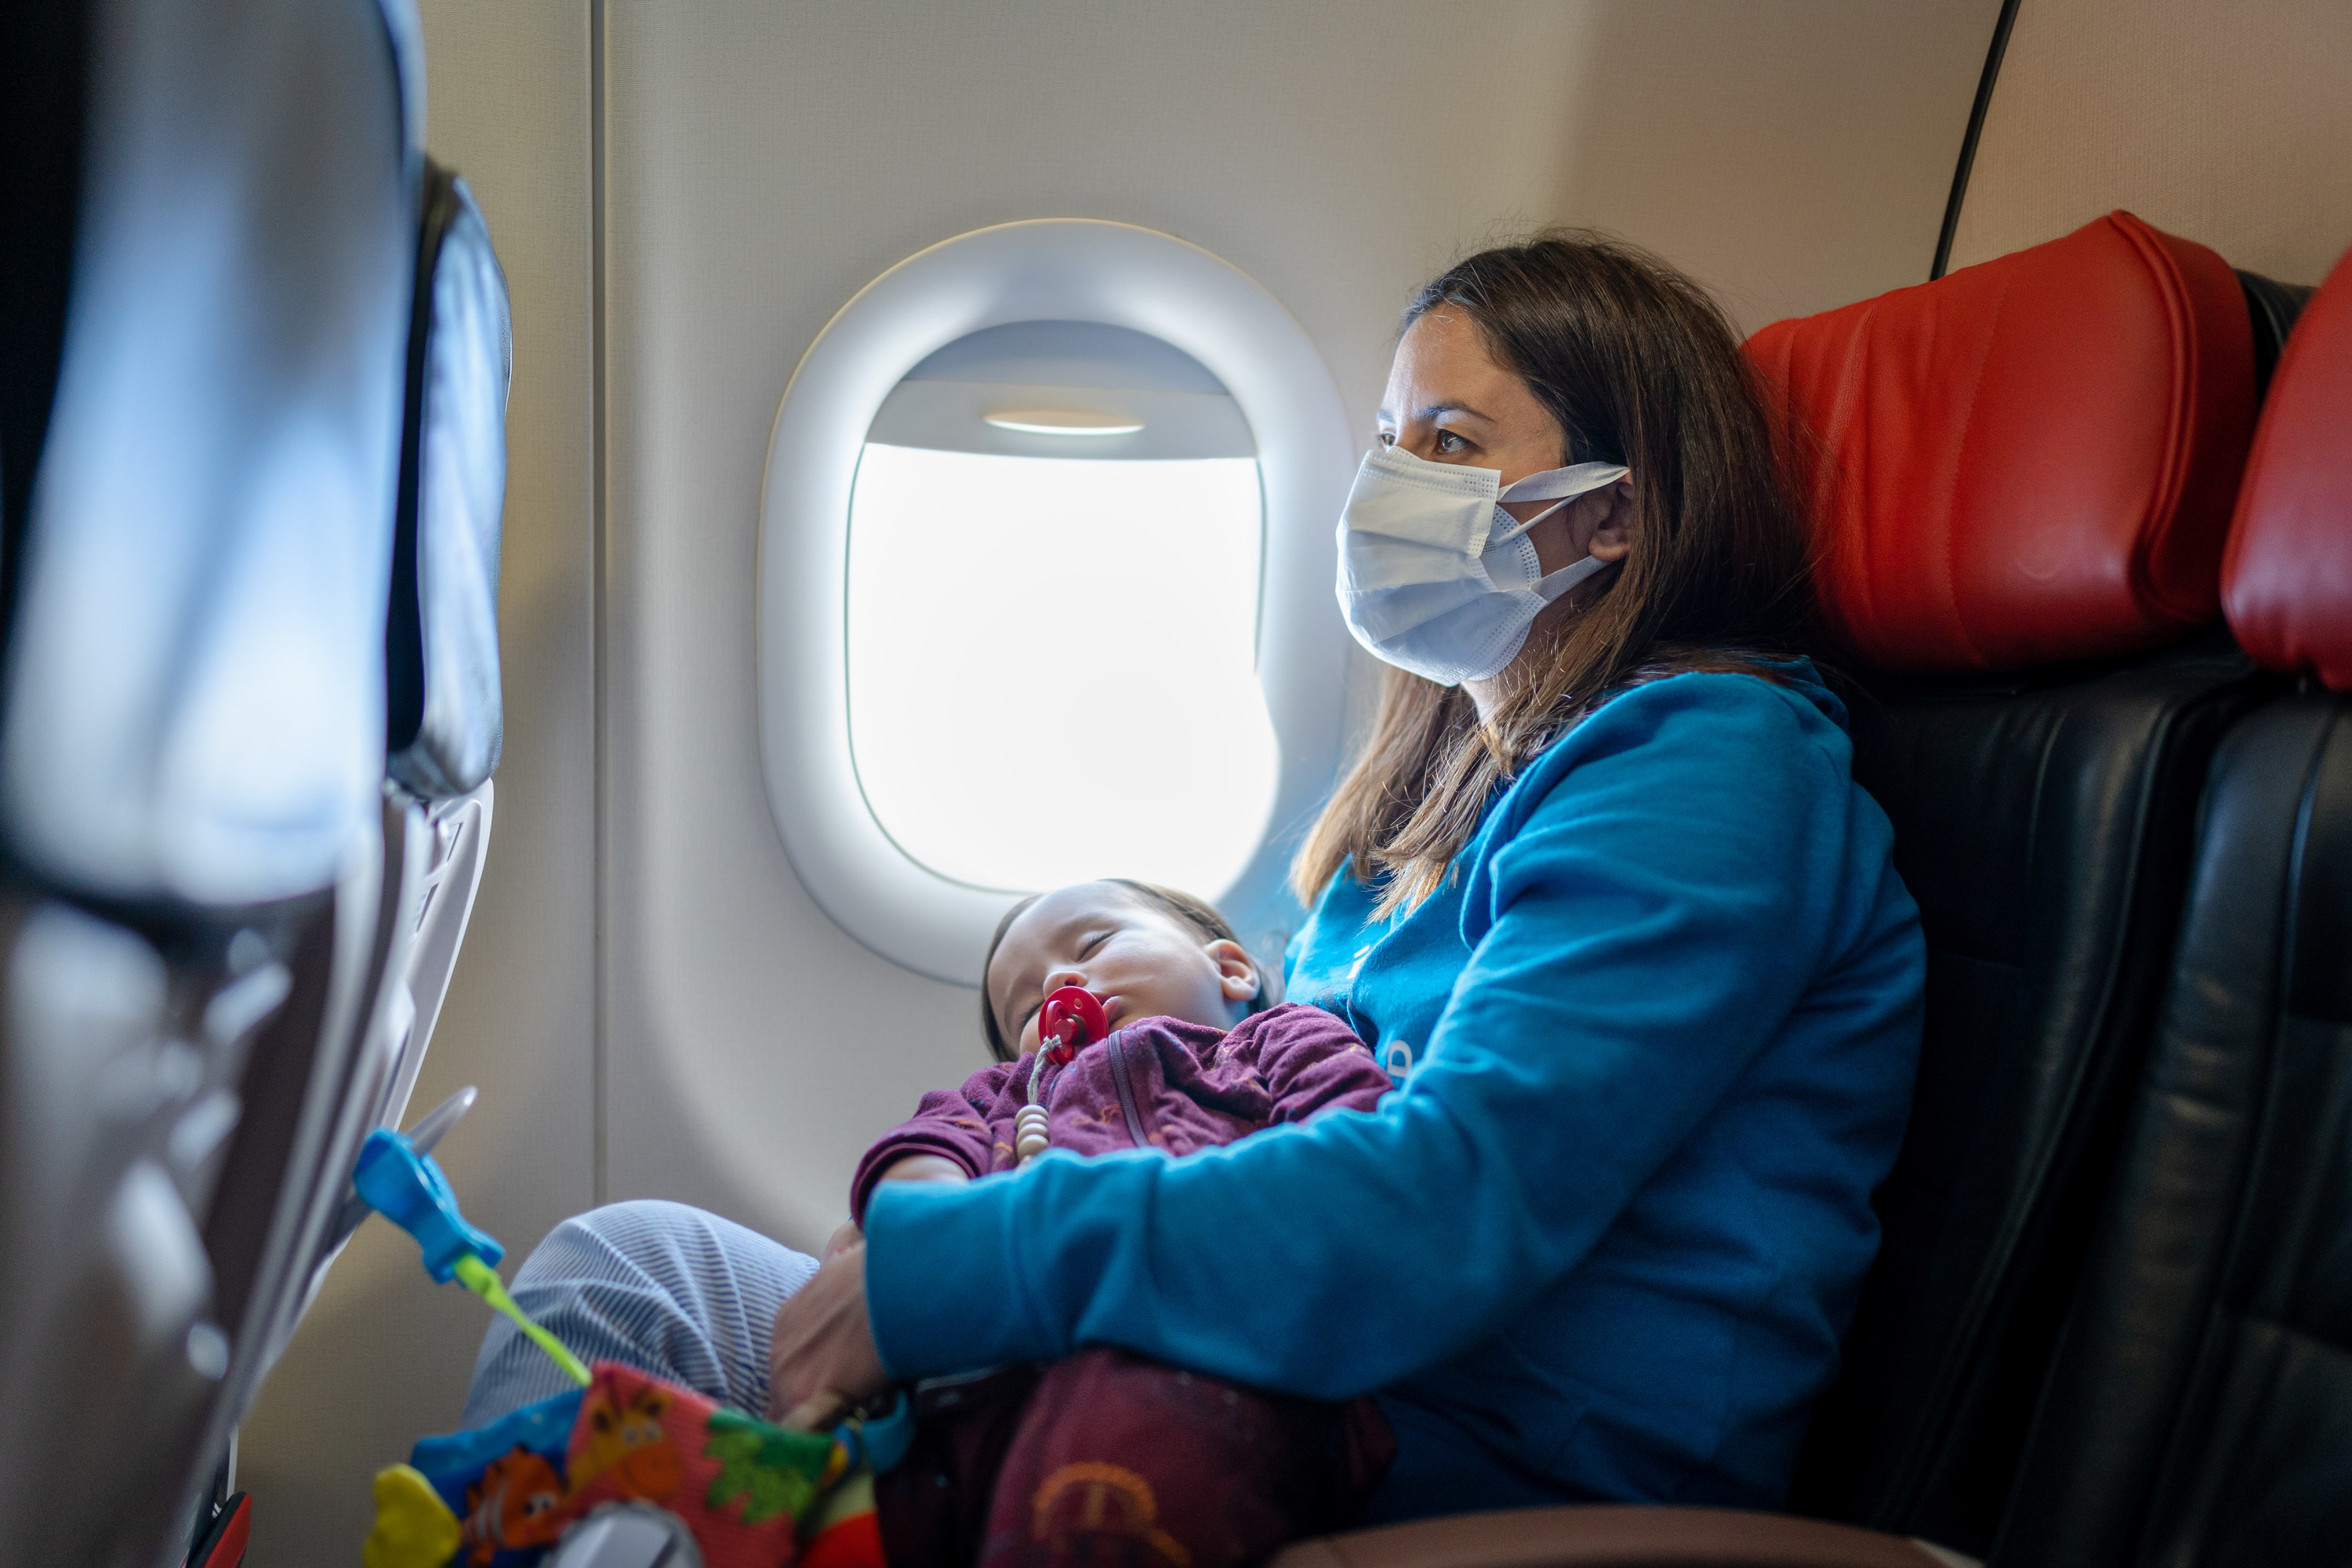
(1061, 269)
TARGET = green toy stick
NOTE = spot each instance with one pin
(478, 1276)
(408, 1189)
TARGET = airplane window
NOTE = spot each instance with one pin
(1054, 562)
(1045, 587)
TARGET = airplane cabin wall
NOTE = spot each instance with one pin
(2229, 125)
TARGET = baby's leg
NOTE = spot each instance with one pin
(1118, 1459)
(666, 1289)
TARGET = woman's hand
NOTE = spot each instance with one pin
(821, 1357)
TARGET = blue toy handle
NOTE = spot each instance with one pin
(408, 1189)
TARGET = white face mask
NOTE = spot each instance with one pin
(1435, 577)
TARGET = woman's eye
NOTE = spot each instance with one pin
(1387, 438)
(1447, 441)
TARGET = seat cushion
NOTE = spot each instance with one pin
(2287, 577)
(2029, 461)
(2042, 823)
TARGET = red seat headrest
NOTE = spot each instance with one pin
(2286, 582)
(2031, 460)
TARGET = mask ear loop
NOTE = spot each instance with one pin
(1552, 584)
(1613, 472)
(1518, 528)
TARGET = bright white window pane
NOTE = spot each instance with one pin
(1051, 666)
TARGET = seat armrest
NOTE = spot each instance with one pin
(1618, 1537)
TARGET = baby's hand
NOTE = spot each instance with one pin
(926, 1168)
(913, 1168)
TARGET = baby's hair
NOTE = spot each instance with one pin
(1196, 912)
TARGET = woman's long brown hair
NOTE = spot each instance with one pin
(1640, 367)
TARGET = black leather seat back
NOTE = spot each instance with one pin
(2043, 828)
(2027, 467)
(2200, 1407)
(2273, 307)
(2203, 1391)
(2260, 1465)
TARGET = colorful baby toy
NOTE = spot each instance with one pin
(750, 1494)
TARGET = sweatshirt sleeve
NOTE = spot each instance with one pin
(1644, 913)
(950, 1122)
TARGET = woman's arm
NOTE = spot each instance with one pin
(1662, 892)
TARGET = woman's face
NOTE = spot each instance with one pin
(1450, 401)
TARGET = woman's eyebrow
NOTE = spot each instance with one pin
(1432, 410)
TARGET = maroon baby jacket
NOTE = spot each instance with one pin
(1158, 1083)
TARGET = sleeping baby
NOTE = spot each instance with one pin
(1106, 1456)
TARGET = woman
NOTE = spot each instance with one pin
(1609, 905)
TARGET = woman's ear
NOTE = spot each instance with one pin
(1614, 537)
(1236, 972)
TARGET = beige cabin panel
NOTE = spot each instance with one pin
(2231, 125)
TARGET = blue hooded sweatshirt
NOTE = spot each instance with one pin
(1654, 1041)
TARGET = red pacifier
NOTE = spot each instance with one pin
(1070, 1021)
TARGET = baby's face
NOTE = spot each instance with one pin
(1138, 960)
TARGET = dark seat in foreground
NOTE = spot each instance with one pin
(202, 310)
(223, 935)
